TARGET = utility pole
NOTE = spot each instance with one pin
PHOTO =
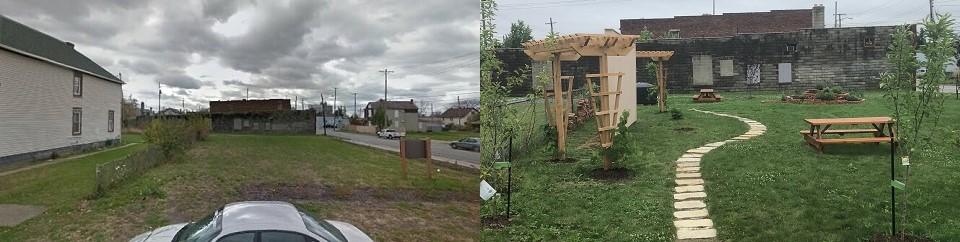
(835, 14)
(183, 105)
(355, 105)
(551, 25)
(385, 72)
(840, 18)
(458, 102)
(323, 105)
(714, 7)
(159, 96)
(931, 10)
(248, 93)
(334, 101)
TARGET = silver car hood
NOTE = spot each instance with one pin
(164, 234)
(352, 233)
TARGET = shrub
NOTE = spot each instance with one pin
(851, 97)
(675, 114)
(826, 96)
(821, 86)
(173, 136)
(200, 127)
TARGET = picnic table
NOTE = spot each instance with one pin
(882, 130)
(706, 95)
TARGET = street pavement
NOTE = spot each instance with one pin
(441, 149)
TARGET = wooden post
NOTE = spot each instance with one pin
(604, 106)
(429, 158)
(403, 157)
(558, 109)
(661, 86)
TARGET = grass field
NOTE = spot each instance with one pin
(329, 178)
(444, 135)
(771, 188)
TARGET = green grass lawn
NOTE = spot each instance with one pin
(363, 186)
(560, 202)
(770, 188)
(444, 135)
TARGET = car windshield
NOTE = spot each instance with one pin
(323, 229)
(203, 230)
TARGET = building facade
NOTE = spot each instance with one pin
(403, 115)
(727, 24)
(54, 100)
(261, 116)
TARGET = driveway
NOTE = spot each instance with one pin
(441, 149)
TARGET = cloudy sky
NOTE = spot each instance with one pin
(592, 16)
(202, 50)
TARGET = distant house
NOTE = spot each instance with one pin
(403, 115)
(458, 116)
(53, 99)
(171, 112)
(268, 115)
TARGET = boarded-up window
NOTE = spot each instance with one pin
(784, 73)
(110, 121)
(702, 70)
(726, 67)
(77, 118)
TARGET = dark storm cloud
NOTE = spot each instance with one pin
(180, 80)
(283, 49)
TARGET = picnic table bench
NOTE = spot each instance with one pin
(706, 95)
(882, 131)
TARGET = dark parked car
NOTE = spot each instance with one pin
(466, 144)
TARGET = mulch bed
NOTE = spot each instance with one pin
(885, 237)
(684, 129)
(317, 192)
(612, 175)
(495, 222)
(560, 161)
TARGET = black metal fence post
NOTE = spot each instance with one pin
(509, 172)
(893, 191)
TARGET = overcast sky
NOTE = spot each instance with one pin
(203, 50)
(593, 16)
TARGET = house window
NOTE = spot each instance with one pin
(791, 49)
(110, 121)
(77, 84)
(868, 42)
(77, 116)
(673, 34)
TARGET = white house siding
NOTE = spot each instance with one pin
(36, 106)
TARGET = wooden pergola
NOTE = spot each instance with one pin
(571, 48)
(659, 57)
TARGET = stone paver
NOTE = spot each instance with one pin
(688, 169)
(688, 159)
(686, 233)
(688, 188)
(699, 213)
(689, 195)
(693, 221)
(689, 181)
(13, 214)
(689, 204)
(688, 175)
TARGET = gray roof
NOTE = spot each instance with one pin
(21, 38)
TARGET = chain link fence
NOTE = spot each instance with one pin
(113, 172)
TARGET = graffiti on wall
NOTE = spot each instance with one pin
(753, 74)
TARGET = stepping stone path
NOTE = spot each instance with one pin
(690, 211)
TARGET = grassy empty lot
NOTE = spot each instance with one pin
(329, 178)
(770, 188)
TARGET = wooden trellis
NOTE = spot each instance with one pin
(659, 57)
(571, 48)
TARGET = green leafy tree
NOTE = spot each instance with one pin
(520, 32)
(380, 118)
(916, 101)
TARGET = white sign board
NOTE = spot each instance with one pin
(784, 73)
(486, 191)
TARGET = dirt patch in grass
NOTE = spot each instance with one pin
(560, 161)
(898, 238)
(684, 129)
(406, 221)
(612, 175)
(318, 192)
(495, 222)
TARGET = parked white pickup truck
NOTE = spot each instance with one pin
(390, 134)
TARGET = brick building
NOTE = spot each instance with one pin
(269, 115)
(727, 24)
